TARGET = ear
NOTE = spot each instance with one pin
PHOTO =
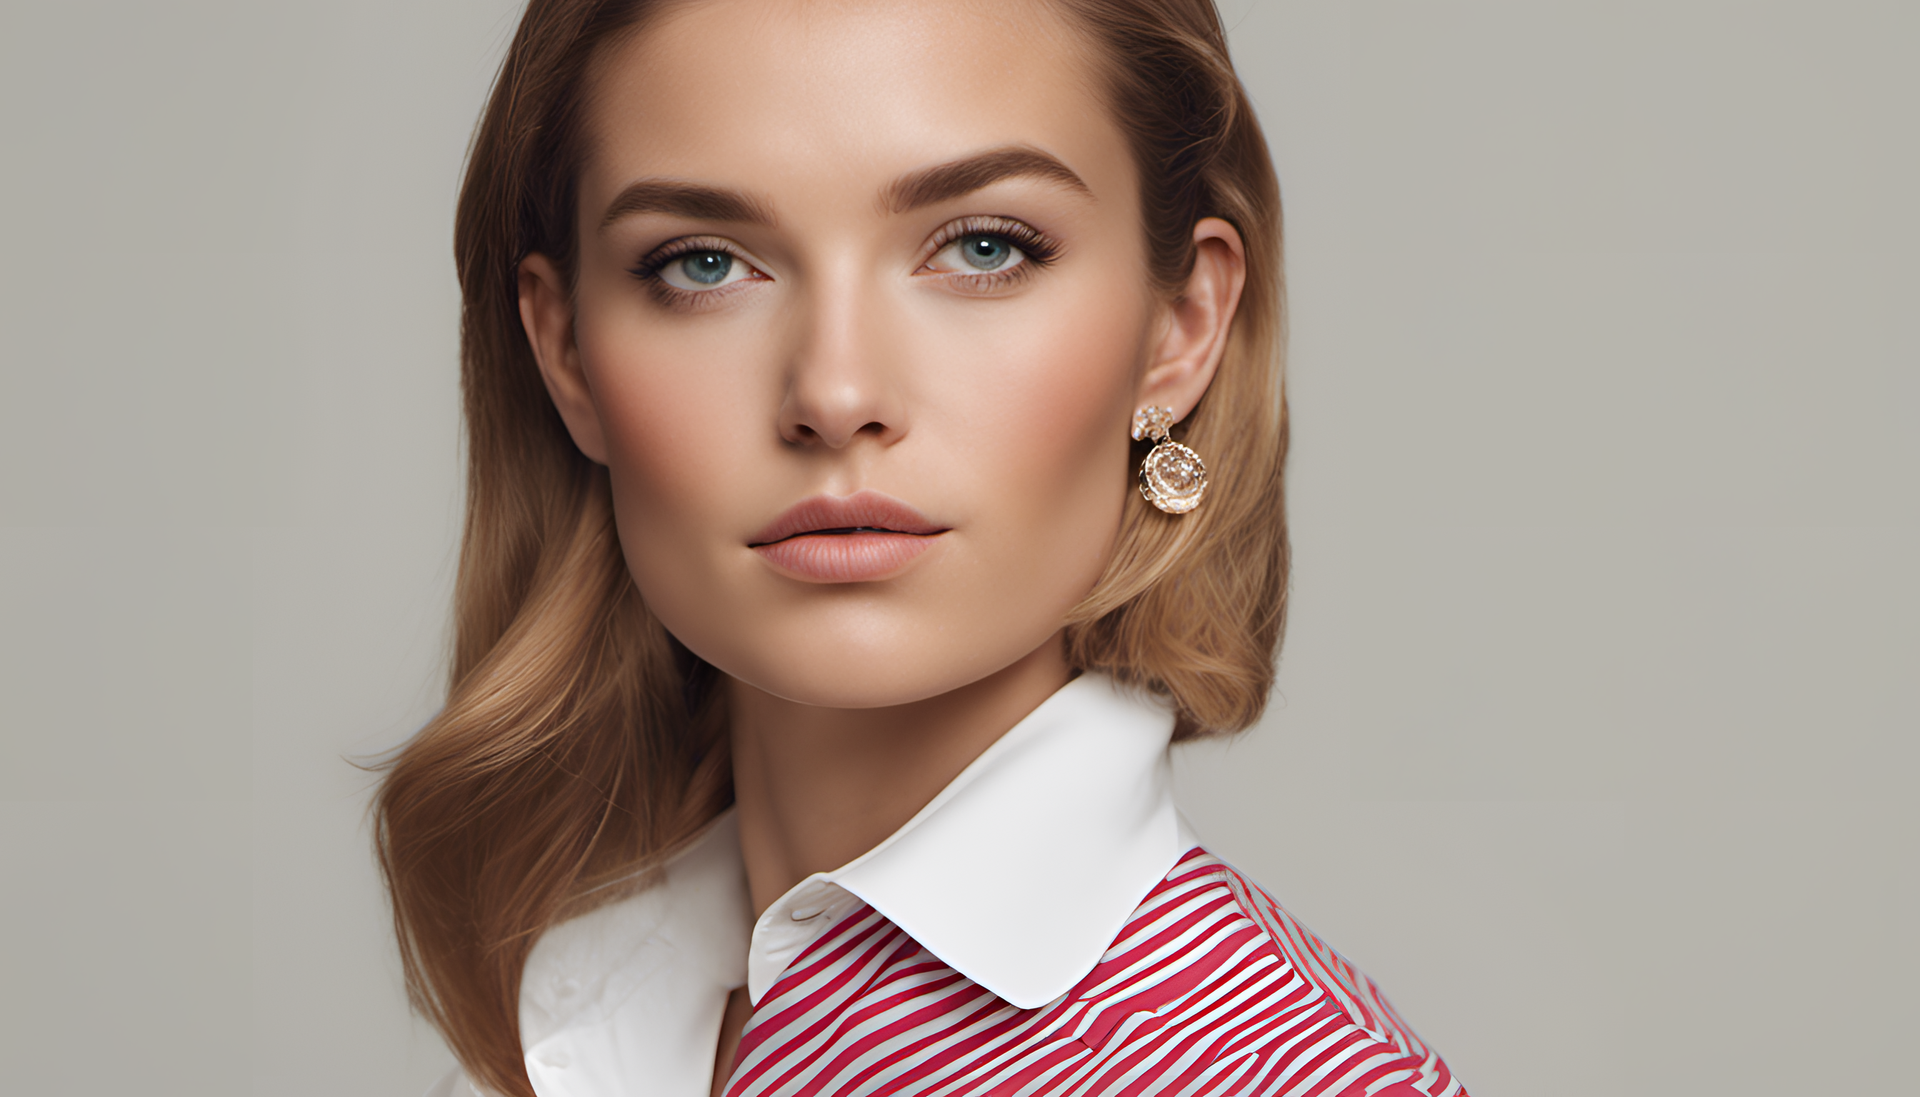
(547, 313)
(1197, 322)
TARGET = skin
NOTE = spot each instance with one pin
(863, 353)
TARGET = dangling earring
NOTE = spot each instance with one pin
(1172, 477)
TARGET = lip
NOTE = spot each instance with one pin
(855, 538)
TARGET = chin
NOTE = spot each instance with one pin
(855, 675)
(877, 646)
(839, 660)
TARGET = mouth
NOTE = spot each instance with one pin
(856, 538)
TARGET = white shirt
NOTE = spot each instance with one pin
(1018, 875)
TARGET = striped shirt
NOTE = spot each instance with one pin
(1047, 925)
(1211, 988)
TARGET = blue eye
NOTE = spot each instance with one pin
(709, 268)
(983, 252)
(979, 253)
(703, 269)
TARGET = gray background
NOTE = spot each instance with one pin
(1596, 719)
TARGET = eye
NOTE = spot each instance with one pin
(977, 253)
(703, 269)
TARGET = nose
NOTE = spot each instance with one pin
(843, 382)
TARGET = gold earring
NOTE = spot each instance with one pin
(1172, 477)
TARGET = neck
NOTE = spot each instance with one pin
(817, 787)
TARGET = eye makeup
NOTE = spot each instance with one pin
(989, 254)
(694, 271)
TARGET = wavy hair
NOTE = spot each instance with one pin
(580, 742)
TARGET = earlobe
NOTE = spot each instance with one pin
(547, 315)
(1199, 320)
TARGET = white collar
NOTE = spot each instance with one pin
(1018, 875)
(1021, 871)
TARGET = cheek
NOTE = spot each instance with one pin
(1047, 406)
(676, 405)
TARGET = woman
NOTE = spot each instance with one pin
(816, 657)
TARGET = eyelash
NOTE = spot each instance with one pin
(1039, 249)
(648, 269)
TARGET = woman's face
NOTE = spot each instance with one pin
(861, 316)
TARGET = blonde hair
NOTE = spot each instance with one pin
(580, 742)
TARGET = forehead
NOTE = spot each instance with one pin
(811, 97)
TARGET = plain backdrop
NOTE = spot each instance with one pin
(1594, 740)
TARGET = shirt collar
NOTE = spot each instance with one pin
(1021, 871)
(1018, 875)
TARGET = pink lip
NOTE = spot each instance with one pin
(853, 539)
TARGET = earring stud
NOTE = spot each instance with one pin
(1172, 477)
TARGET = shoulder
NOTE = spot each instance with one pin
(1210, 958)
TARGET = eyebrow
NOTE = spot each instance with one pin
(961, 177)
(911, 191)
(695, 200)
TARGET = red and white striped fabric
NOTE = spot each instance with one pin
(1047, 925)
(1210, 989)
